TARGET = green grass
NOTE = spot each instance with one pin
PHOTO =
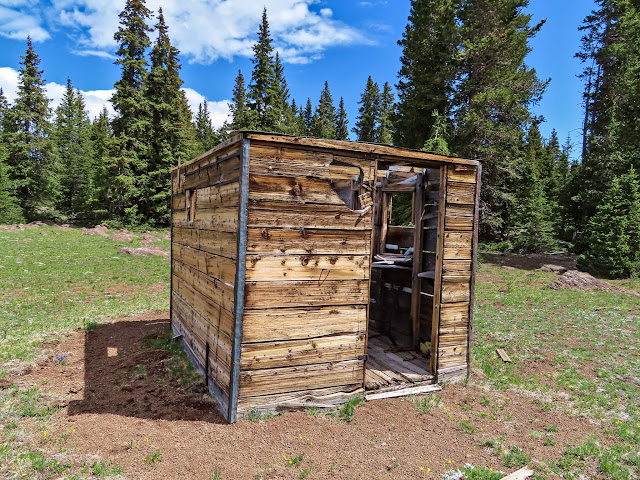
(347, 409)
(63, 279)
(427, 403)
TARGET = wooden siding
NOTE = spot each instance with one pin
(204, 251)
(307, 276)
(457, 265)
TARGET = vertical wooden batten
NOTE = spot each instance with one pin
(416, 286)
(474, 264)
(239, 285)
(437, 288)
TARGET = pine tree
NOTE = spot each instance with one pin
(72, 140)
(205, 133)
(307, 117)
(428, 70)
(97, 201)
(342, 130)
(243, 118)
(613, 247)
(282, 112)
(492, 100)
(384, 129)
(131, 127)
(437, 141)
(264, 87)
(10, 211)
(324, 118)
(31, 156)
(170, 128)
(368, 113)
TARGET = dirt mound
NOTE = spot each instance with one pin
(144, 251)
(123, 236)
(549, 267)
(575, 280)
(148, 240)
(101, 230)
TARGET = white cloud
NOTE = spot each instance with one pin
(96, 100)
(94, 53)
(21, 21)
(206, 30)
(218, 111)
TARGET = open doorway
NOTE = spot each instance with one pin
(401, 311)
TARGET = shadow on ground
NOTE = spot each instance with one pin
(531, 261)
(124, 375)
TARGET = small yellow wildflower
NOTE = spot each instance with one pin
(428, 469)
(290, 461)
(421, 469)
(284, 456)
(300, 437)
(44, 434)
(449, 461)
(491, 469)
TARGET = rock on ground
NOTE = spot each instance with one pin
(101, 230)
(123, 236)
(549, 267)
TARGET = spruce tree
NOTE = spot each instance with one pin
(170, 128)
(97, 201)
(72, 138)
(492, 100)
(437, 141)
(613, 247)
(264, 87)
(307, 117)
(282, 112)
(242, 117)
(205, 134)
(368, 113)
(342, 130)
(31, 156)
(384, 129)
(131, 126)
(324, 118)
(10, 211)
(428, 69)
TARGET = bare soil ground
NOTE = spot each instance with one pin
(119, 404)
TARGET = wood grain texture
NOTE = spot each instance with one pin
(307, 241)
(454, 314)
(306, 294)
(267, 268)
(221, 268)
(317, 397)
(462, 173)
(296, 215)
(224, 172)
(211, 241)
(461, 193)
(292, 189)
(333, 348)
(216, 291)
(455, 289)
(277, 324)
(308, 377)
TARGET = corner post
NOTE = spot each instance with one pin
(238, 297)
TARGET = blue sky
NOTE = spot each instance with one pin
(340, 41)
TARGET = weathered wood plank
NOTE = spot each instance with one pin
(224, 219)
(218, 243)
(333, 348)
(216, 291)
(307, 377)
(457, 239)
(452, 339)
(422, 389)
(297, 215)
(458, 223)
(321, 397)
(455, 289)
(306, 294)
(454, 314)
(292, 189)
(299, 323)
(212, 175)
(214, 266)
(462, 173)
(461, 193)
(455, 253)
(456, 267)
(306, 267)
(217, 196)
(307, 241)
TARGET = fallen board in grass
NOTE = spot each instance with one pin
(519, 474)
(403, 392)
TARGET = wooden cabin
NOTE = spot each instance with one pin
(307, 271)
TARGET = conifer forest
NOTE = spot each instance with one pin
(463, 89)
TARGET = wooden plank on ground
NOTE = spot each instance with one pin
(519, 474)
(403, 392)
(503, 355)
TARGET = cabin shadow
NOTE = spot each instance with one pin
(126, 374)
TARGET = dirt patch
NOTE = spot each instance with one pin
(123, 236)
(119, 403)
(575, 280)
(148, 240)
(550, 267)
(144, 251)
(101, 230)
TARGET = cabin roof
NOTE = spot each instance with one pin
(385, 152)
